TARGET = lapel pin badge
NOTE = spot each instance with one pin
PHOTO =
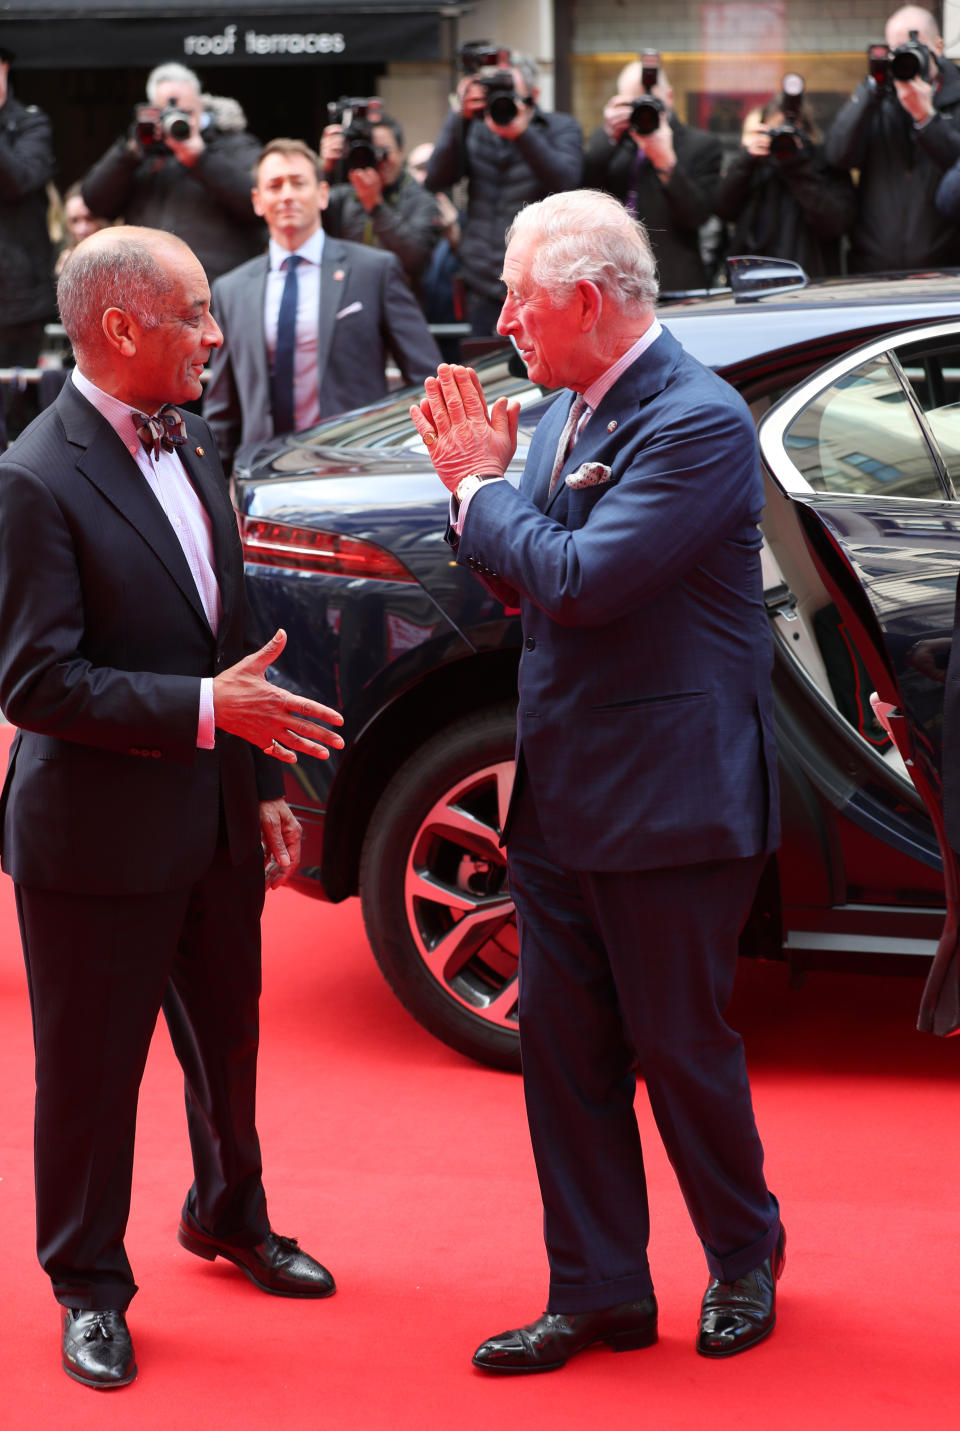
(338, 276)
(200, 452)
(612, 425)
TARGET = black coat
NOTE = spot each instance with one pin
(897, 224)
(208, 206)
(502, 175)
(797, 208)
(407, 222)
(672, 212)
(26, 254)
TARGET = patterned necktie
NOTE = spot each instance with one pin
(166, 429)
(283, 411)
(567, 439)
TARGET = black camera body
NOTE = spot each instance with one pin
(357, 117)
(646, 112)
(907, 62)
(153, 127)
(788, 139)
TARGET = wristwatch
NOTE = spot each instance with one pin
(468, 485)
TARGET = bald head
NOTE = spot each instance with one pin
(913, 17)
(127, 268)
(136, 306)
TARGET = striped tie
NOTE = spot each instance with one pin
(567, 438)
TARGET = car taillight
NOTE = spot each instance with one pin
(277, 544)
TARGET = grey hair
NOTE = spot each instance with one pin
(171, 73)
(527, 67)
(117, 275)
(584, 234)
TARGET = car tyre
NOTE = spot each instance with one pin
(433, 888)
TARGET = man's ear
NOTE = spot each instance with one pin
(323, 195)
(591, 304)
(256, 202)
(120, 332)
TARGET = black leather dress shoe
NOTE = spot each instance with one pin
(277, 1264)
(737, 1315)
(97, 1349)
(545, 1345)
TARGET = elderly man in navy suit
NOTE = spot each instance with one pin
(645, 801)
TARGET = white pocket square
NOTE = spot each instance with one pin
(591, 474)
(350, 308)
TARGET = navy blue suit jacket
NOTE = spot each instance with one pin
(646, 711)
(105, 642)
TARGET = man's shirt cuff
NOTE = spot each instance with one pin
(206, 727)
(456, 517)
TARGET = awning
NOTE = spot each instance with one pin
(47, 34)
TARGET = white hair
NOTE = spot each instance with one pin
(584, 234)
(171, 73)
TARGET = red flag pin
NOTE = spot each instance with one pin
(200, 452)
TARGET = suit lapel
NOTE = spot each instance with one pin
(643, 380)
(108, 466)
(206, 475)
(334, 272)
(254, 301)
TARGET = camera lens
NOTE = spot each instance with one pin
(502, 109)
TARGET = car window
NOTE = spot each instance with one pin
(933, 372)
(862, 435)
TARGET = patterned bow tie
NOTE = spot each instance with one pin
(166, 430)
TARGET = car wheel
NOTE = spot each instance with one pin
(433, 886)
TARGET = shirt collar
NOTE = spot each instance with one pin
(118, 414)
(600, 386)
(311, 250)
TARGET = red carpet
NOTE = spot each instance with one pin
(407, 1170)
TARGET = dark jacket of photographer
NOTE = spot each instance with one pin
(502, 175)
(406, 221)
(672, 212)
(208, 205)
(897, 224)
(794, 207)
(26, 254)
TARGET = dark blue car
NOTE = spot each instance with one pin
(343, 533)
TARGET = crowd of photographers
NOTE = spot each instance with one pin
(880, 191)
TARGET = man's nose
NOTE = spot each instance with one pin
(213, 338)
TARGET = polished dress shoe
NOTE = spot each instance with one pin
(736, 1315)
(97, 1349)
(545, 1345)
(277, 1264)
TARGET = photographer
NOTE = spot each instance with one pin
(663, 172)
(900, 130)
(379, 203)
(184, 167)
(781, 196)
(511, 153)
(26, 255)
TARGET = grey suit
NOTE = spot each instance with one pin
(365, 307)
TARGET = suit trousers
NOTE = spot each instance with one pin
(620, 974)
(99, 968)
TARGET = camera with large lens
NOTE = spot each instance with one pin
(503, 102)
(357, 118)
(788, 139)
(912, 60)
(153, 127)
(646, 112)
